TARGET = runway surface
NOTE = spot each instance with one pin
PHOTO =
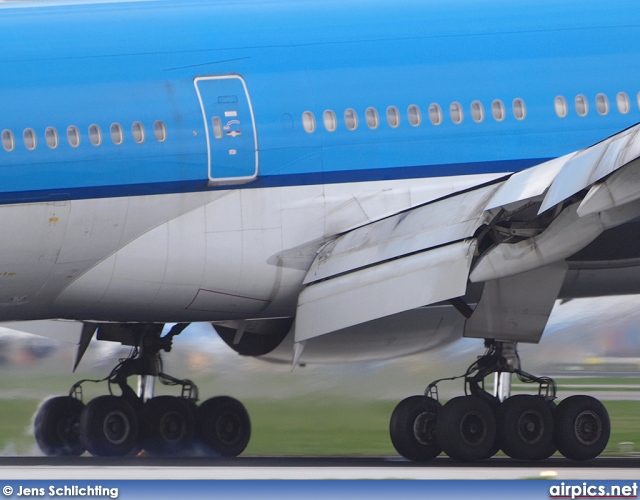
(23, 468)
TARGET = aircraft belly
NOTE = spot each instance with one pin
(90, 233)
(216, 256)
(32, 238)
(208, 263)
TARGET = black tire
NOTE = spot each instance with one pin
(56, 427)
(553, 408)
(413, 428)
(466, 428)
(525, 427)
(223, 426)
(109, 427)
(582, 427)
(495, 447)
(167, 426)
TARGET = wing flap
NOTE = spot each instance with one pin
(621, 188)
(424, 227)
(528, 184)
(524, 302)
(385, 289)
(430, 253)
(566, 235)
(591, 165)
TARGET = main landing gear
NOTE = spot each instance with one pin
(477, 425)
(121, 425)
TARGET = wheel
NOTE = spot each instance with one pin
(109, 426)
(57, 427)
(167, 426)
(223, 426)
(582, 427)
(466, 428)
(413, 428)
(495, 447)
(525, 427)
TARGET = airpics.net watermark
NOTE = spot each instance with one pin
(589, 490)
(96, 491)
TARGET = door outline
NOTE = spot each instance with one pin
(217, 181)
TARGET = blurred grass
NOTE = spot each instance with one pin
(310, 427)
(307, 426)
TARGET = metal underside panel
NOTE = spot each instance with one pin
(385, 289)
(502, 234)
(421, 228)
(516, 308)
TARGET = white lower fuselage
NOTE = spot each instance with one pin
(193, 257)
(185, 257)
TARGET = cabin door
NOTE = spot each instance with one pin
(229, 123)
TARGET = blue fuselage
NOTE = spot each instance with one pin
(124, 63)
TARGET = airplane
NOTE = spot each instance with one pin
(321, 181)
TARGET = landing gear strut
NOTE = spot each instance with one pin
(477, 425)
(118, 425)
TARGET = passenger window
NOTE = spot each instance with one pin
(116, 134)
(435, 114)
(330, 121)
(582, 106)
(373, 121)
(51, 137)
(95, 135)
(415, 117)
(217, 127)
(8, 142)
(308, 122)
(351, 119)
(455, 110)
(519, 109)
(477, 111)
(160, 131)
(393, 117)
(602, 104)
(497, 108)
(29, 137)
(138, 132)
(638, 100)
(73, 135)
(560, 104)
(622, 100)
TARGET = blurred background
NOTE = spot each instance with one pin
(591, 346)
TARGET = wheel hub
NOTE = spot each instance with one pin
(473, 428)
(424, 428)
(229, 428)
(172, 427)
(116, 427)
(588, 427)
(531, 427)
(69, 429)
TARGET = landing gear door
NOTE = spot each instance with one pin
(232, 142)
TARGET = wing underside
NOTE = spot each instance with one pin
(512, 236)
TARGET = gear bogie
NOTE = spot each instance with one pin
(476, 426)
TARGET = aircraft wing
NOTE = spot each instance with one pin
(521, 227)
